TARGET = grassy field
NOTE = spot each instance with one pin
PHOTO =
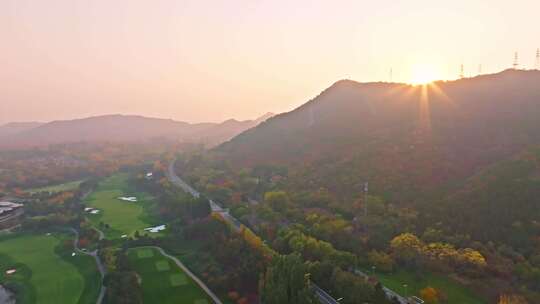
(456, 293)
(193, 254)
(57, 188)
(163, 281)
(46, 277)
(122, 217)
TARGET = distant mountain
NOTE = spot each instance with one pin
(118, 128)
(228, 129)
(17, 127)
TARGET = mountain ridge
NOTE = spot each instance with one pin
(115, 128)
(466, 124)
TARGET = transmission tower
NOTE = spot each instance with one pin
(516, 61)
(480, 69)
(462, 71)
(537, 64)
(391, 75)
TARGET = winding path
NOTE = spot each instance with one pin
(99, 264)
(188, 272)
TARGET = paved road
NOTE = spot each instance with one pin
(323, 296)
(95, 255)
(189, 273)
(214, 206)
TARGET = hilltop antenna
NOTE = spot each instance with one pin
(462, 72)
(516, 61)
(537, 65)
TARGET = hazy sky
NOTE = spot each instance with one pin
(213, 60)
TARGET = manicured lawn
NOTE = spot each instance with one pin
(123, 217)
(456, 293)
(163, 281)
(46, 276)
(57, 188)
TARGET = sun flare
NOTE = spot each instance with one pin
(423, 74)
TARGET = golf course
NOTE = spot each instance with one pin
(163, 281)
(44, 273)
(122, 217)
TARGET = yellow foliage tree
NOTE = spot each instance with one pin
(512, 299)
(429, 295)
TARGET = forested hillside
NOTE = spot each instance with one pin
(399, 137)
(455, 163)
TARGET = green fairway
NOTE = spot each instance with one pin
(145, 253)
(163, 265)
(123, 217)
(457, 294)
(47, 277)
(163, 281)
(57, 188)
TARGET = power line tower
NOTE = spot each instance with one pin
(391, 75)
(461, 71)
(537, 64)
(480, 69)
(515, 65)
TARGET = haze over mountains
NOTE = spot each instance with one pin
(468, 148)
(120, 128)
(450, 127)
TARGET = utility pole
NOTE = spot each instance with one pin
(516, 61)
(366, 185)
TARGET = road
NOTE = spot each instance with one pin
(94, 254)
(188, 272)
(323, 296)
(214, 206)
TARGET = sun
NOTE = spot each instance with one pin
(423, 74)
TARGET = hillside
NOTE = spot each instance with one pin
(117, 128)
(406, 140)
(17, 127)
(504, 197)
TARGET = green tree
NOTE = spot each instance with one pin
(286, 281)
(278, 200)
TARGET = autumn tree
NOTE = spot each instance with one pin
(512, 299)
(429, 295)
(406, 247)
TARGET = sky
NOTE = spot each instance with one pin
(214, 60)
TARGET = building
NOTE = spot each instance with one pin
(9, 213)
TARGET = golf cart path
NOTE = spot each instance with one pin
(99, 264)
